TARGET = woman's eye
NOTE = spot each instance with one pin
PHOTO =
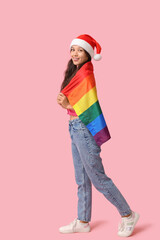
(78, 50)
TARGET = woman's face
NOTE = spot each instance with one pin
(78, 55)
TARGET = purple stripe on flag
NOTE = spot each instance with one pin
(102, 136)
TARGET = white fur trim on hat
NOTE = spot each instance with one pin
(83, 44)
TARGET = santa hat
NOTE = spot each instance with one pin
(88, 43)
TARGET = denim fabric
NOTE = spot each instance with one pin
(89, 170)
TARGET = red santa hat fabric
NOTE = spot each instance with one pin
(88, 43)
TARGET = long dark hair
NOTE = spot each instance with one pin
(71, 71)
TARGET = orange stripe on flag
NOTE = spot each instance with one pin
(87, 84)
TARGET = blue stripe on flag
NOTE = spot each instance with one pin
(97, 124)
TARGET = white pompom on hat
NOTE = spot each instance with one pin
(88, 43)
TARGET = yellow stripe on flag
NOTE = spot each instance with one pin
(86, 101)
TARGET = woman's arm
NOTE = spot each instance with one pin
(63, 101)
(70, 107)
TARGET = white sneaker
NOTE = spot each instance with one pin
(75, 226)
(127, 224)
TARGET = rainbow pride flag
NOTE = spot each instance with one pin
(82, 95)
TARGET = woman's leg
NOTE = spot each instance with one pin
(90, 156)
(84, 187)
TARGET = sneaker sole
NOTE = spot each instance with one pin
(75, 232)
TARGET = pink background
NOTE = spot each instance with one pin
(37, 185)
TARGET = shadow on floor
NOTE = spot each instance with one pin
(141, 228)
(97, 224)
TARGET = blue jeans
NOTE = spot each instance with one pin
(89, 170)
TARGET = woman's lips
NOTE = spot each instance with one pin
(75, 59)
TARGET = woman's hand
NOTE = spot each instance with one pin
(62, 100)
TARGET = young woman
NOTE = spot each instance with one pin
(88, 131)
